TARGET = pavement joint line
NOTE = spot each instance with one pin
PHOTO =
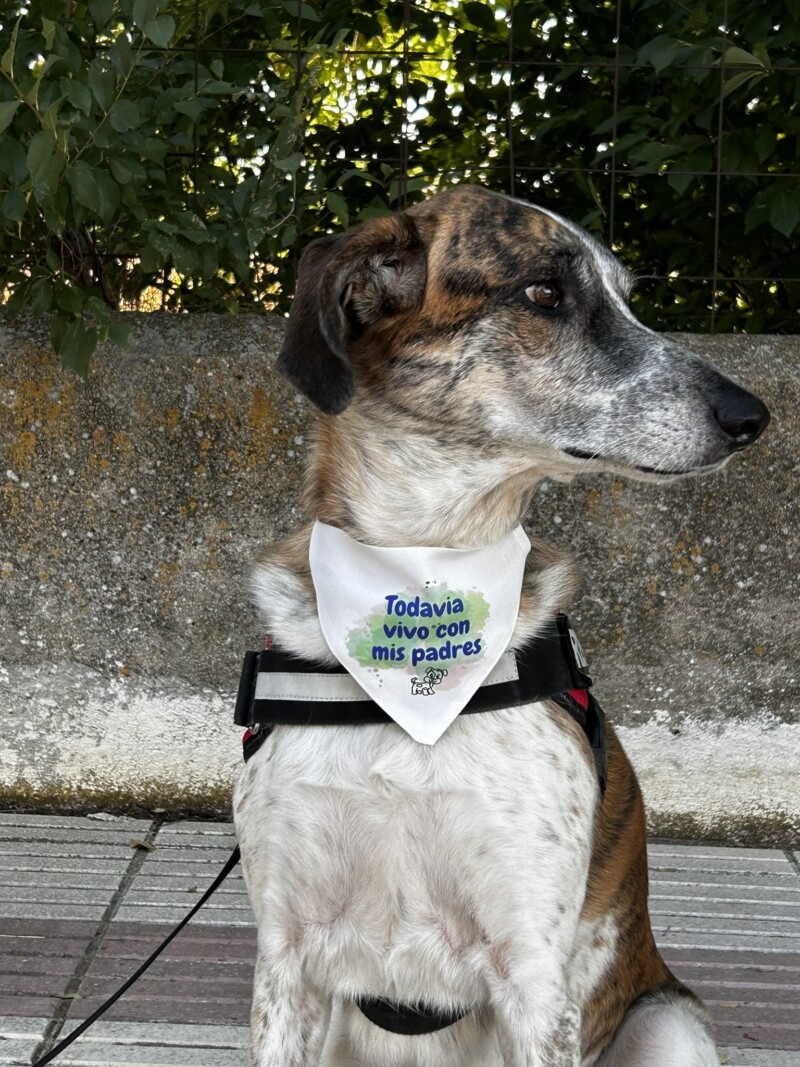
(794, 863)
(58, 1020)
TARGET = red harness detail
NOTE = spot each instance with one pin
(580, 696)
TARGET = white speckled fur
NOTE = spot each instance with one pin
(430, 886)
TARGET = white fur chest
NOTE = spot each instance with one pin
(395, 869)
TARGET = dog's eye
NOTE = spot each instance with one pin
(544, 295)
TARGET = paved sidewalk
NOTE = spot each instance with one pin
(81, 907)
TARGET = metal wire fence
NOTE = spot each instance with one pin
(735, 262)
(671, 131)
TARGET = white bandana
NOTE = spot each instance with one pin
(418, 628)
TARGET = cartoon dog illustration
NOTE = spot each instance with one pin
(425, 686)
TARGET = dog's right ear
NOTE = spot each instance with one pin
(320, 372)
(346, 284)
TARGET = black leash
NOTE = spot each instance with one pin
(76, 1033)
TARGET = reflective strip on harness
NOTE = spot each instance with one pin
(288, 685)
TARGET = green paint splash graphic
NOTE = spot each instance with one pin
(363, 640)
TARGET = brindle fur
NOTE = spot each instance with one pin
(446, 395)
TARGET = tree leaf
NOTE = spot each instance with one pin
(76, 345)
(297, 10)
(8, 109)
(144, 11)
(121, 55)
(73, 341)
(44, 163)
(14, 205)
(41, 297)
(184, 258)
(150, 260)
(69, 298)
(7, 59)
(119, 332)
(289, 163)
(48, 32)
(482, 16)
(338, 205)
(77, 94)
(784, 212)
(680, 182)
(122, 173)
(735, 56)
(160, 30)
(83, 185)
(739, 79)
(101, 82)
(194, 108)
(762, 55)
(124, 115)
(660, 52)
(102, 12)
(109, 194)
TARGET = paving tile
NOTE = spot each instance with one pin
(195, 828)
(714, 859)
(44, 858)
(736, 927)
(674, 848)
(736, 1057)
(661, 892)
(37, 960)
(787, 881)
(154, 1045)
(206, 974)
(728, 921)
(187, 858)
(18, 1038)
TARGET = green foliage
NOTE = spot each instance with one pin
(125, 167)
(143, 154)
(553, 127)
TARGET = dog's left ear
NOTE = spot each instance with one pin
(345, 285)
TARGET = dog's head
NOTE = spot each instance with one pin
(477, 318)
(435, 675)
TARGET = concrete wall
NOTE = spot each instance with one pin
(134, 503)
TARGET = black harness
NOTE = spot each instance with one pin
(551, 666)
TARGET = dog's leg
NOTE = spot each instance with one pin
(664, 1029)
(290, 1016)
(537, 1026)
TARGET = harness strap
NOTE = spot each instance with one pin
(592, 721)
(408, 1019)
(280, 689)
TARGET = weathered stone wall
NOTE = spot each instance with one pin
(134, 503)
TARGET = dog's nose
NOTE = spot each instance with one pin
(741, 416)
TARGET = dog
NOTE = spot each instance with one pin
(477, 344)
(426, 686)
